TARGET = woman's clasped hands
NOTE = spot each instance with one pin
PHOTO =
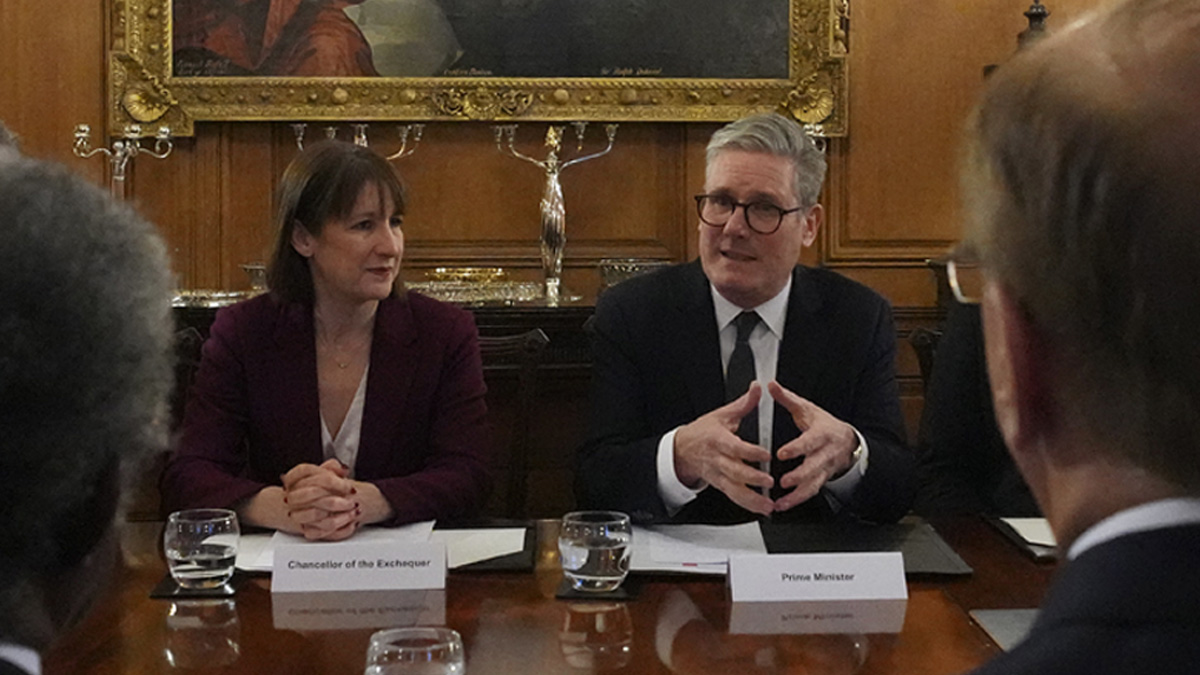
(322, 502)
(318, 502)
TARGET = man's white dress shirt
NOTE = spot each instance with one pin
(1142, 518)
(764, 343)
(22, 657)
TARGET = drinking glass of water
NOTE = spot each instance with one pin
(201, 546)
(594, 546)
(415, 651)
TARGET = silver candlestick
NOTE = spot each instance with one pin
(123, 149)
(405, 131)
(299, 129)
(553, 209)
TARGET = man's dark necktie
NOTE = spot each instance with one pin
(740, 373)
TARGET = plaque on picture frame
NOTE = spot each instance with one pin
(175, 62)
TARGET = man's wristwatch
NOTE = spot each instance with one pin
(855, 458)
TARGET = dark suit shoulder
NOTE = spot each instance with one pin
(1128, 605)
(837, 292)
(649, 310)
(655, 291)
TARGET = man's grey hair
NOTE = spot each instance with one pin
(776, 135)
(84, 368)
(1081, 188)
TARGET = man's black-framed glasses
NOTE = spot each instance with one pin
(763, 217)
(965, 276)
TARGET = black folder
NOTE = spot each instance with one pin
(924, 551)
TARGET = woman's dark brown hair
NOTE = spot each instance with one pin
(322, 183)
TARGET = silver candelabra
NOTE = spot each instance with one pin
(406, 132)
(123, 149)
(553, 209)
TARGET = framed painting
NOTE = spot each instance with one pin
(175, 62)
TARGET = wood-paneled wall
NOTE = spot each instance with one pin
(915, 67)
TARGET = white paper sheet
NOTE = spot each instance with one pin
(694, 549)
(250, 547)
(464, 547)
(262, 546)
(1032, 530)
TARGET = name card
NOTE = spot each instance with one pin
(349, 566)
(817, 576)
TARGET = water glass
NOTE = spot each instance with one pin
(415, 651)
(594, 546)
(201, 547)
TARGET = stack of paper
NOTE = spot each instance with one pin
(256, 552)
(1033, 530)
(692, 549)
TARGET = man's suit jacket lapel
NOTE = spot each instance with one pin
(803, 351)
(700, 347)
(393, 353)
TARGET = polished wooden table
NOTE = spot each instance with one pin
(511, 623)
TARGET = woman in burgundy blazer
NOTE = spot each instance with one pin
(285, 378)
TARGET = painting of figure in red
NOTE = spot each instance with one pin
(747, 39)
(302, 38)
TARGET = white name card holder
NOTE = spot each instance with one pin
(817, 576)
(349, 566)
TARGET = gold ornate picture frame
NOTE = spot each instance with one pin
(145, 90)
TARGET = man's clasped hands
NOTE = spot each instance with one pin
(709, 452)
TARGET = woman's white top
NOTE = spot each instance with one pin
(345, 446)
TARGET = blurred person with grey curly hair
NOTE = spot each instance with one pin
(8, 139)
(84, 374)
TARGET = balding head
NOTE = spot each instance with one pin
(1083, 186)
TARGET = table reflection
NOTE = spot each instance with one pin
(349, 610)
(597, 636)
(203, 633)
(826, 616)
(689, 642)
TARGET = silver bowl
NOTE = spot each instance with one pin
(615, 270)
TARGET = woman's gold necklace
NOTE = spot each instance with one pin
(333, 349)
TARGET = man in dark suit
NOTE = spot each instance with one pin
(1084, 214)
(964, 467)
(744, 385)
(84, 375)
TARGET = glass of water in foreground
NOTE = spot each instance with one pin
(201, 547)
(415, 651)
(594, 546)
